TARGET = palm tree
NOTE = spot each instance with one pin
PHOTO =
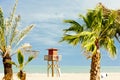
(10, 38)
(97, 32)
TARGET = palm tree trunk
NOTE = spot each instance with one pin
(95, 64)
(8, 73)
(95, 67)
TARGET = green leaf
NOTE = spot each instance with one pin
(86, 33)
(30, 58)
(11, 62)
(112, 17)
(111, 48)
(75, 26)
(71, 39)
(89, 46)
(20, 57)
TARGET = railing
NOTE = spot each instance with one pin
(53, 57)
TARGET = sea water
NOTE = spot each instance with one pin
(65, 69)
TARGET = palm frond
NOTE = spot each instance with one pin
(14, 30)
(111, 32)
(10, 20)
(109, 45)
(89, 44)
(1, 20)
(86, 33)
(111, 48)
(71, 39)
(87, 19)
(93, 19)
(99, 14)
(22, 34)
(112, 17)
(77, 38)
(9, 24)
(2, 39)
(96, 22)
(109, 25)
(75, 26)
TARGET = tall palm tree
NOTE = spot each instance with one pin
(97, 32)
(10, 38)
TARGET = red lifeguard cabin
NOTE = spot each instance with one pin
(52, 51)
(53, 58)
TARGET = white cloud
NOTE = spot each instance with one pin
(48, 35)
(42, 17)
(45, 40)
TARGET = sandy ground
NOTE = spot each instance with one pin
(67, 76)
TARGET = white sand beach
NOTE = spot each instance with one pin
(66, 76)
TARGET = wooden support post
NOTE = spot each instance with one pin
(52, 68)
(48, 69)
(58, 69)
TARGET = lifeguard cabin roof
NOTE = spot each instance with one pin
(54, 49)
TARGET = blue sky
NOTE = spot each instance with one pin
(48, 16)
